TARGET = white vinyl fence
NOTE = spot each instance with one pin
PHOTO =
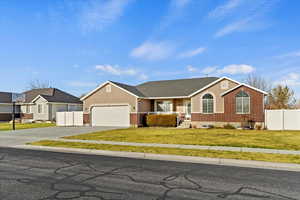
(282, 119)
(69, 118)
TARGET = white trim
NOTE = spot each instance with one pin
(243, 84)
(42, 108)
(175, 97)
(201, 103)
(242, 113)
(102, 85)
(64, 103)
(185, 102)
(155, 106)
(213, 83)
(23, 104)
(110, 104)
(36, 98)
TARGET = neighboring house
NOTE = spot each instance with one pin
(200, 101)
(6, 107)
(42, 104)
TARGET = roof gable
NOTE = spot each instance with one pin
(51, 95)
(245, 85)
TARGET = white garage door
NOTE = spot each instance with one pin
(111, 116)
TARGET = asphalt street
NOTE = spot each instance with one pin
(41, 175)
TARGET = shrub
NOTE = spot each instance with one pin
(162, 120)
(228, 126)
(258, 127)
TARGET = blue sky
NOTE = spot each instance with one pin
(77, 44)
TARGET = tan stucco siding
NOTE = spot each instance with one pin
(216, 91)
(116, 96)
(45, 114)
(144, 105)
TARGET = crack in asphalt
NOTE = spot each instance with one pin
(77, 179)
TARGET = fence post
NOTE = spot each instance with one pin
(283, 120)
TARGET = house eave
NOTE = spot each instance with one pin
(246, 85)
(172, 97)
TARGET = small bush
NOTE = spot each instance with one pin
(162, 120)
(258, 127)
(228, 126)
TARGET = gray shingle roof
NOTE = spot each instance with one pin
(51, 95)
(129, 88)
(5, 97)
(168, 88)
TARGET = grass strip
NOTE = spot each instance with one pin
(286, 140)
(8, 126)
(174, 151)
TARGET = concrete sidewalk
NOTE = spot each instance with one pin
(180, 146)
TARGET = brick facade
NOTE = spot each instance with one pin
(137, 119)
(229, 115)
(5, 117)
(86, 119)
(26, 116)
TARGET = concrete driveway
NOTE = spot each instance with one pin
(21, 137)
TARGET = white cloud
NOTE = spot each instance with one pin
(116, 70)
(248, 15)
(175, 12)
(81, 84)
(190, 68)
(236, 69)
(292, 79)
(180, 3)
(99, 13)
(153, 51)
(290, 54)
(224, 9)
(143, 77)
(209, 70)
(192, 53)
(237, 26)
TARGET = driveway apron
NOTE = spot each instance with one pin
(21, 137)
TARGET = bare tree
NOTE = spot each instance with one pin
(38, 84)
(258, 82)
(282, 97)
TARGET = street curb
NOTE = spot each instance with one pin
(175, 158)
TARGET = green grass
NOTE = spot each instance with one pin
(7, 126)
(289, 140)
(174, 151)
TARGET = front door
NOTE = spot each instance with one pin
(188, 109)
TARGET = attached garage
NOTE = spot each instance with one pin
(111, 115)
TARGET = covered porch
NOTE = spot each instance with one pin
(180, 106)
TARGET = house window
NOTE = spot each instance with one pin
(108, 88)
(208, 104)
(40, 108)
(242, 103)
(28, 109)
(163, 106)
(224, 85)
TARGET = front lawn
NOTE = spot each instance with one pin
(173, 151)
(289, 140)
(7, 126)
